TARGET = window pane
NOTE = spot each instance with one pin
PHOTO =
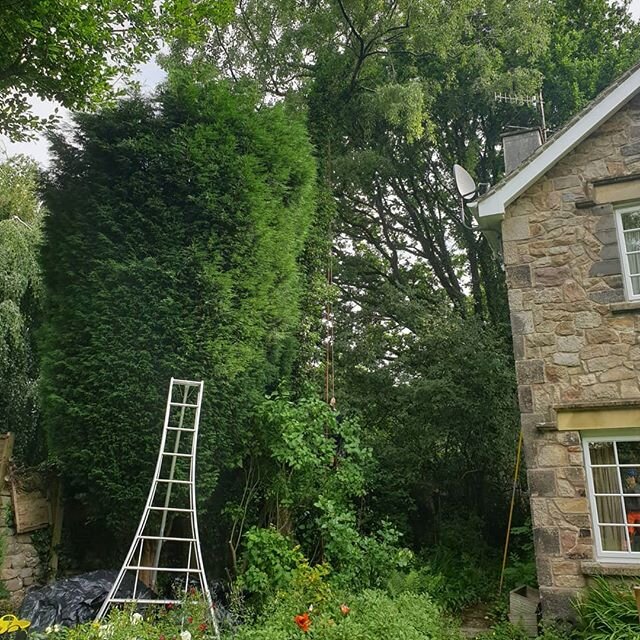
(635, 285)
(629, 453)
(605, 480)
(634, 263)
(610, 510)
(632, 240)
(613, 539)
(602, 453)
(631, 220)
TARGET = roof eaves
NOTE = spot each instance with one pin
(494, 202)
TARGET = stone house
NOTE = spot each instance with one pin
(569, 217)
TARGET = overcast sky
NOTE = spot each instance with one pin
(149, 75)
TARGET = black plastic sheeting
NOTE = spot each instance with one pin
(75, 600)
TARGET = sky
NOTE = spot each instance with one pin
(149, 75)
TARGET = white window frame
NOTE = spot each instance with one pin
(622, 247)
(627, 557)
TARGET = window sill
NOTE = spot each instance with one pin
(594, 568)
(625, 307)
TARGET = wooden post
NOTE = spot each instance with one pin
(6, 451)
(57, 515)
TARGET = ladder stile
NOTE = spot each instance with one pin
(135, 563)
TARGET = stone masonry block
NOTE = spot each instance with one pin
(529, 371)
(551, 276)
(632, 149)
(605, 268)
(557, 603)
(515, 228)
(525, 399)
(522, 322)
(542, 482)
(519, 277)
(552, 455)
(587, 319)
(607, 296)
(547, 541)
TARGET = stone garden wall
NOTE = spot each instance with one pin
(20, 568)
(575, 339)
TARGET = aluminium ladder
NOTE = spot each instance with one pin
(175, 469)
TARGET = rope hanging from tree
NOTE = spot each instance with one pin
(328, 321)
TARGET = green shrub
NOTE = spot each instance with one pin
(372, 615)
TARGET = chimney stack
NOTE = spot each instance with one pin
(518, 146)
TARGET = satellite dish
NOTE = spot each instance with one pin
(465, 183)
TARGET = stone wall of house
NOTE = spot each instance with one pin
(575, 340)
(20, 568)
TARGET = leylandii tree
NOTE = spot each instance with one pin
(171, 250)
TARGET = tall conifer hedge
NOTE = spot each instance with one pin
(171, 250)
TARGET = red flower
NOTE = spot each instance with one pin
(303, 621)
(161, 637)
(344, 609)
(202, 626)
(169, 605)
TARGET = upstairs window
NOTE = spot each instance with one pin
(613, 480)
(628, 224)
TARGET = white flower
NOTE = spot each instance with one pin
(48, 630)
(57, 628)
(136, 618)
(185, 635)
(105, 630)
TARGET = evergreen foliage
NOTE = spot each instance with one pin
(171, 250)
(20, 303)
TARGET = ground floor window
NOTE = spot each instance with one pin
(613, 476)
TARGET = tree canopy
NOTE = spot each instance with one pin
(72, 51)
(20, 304)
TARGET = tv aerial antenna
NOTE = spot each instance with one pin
(537, 102)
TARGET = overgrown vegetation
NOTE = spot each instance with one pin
(189, 235)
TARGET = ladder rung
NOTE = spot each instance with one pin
(174, 481)
(176, 509)
(184, 404)
(167, 538)
(177, 455)
(144, 601)
(170, 569)
(188, 383)
(180, 429)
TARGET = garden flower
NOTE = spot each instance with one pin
(185, 635)
(57, 628)
(136, 618)
(48, 630)
(105, 630)
(303, 621)
(344, 609)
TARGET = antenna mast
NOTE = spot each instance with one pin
(531, 101)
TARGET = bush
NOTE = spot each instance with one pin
(370, 615)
